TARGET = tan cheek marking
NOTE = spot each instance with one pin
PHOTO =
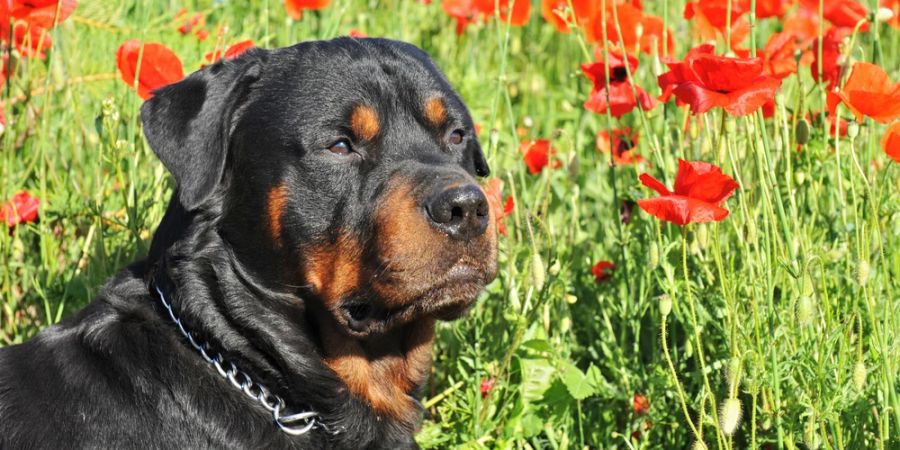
(408, 242)
(333, 270)
(435, 112)
(275, 209)
(364, 122)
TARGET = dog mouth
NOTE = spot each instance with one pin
(448, 299)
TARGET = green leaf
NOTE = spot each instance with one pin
(578, 384)
(537, 374)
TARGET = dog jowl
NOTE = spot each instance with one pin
(327, 214)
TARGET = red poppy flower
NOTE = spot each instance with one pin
(159, 66)
(869, 91)
(295, 8)
(778, 55)
(700, 190)
(187, 24)
(558, 13)
(772, 8)
(39, 13)
(841, 13)
(486, 385)
(640, 404)
(537, 155)
(356, 33)
(233, 51)
(831, 56)
(517, 12)
(639, 31)
(890, 142)
(463, 11)
(494, 193)
(621, 97)
(623, 142)
(602, 270)
(894, 7)
(29, 40)
(21, 208)
(704, 80)
(716, 11)
(804, 23)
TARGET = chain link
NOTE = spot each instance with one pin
(293, 424)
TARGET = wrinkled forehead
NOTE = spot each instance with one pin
(345, 77)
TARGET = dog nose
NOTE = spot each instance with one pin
(461, 211)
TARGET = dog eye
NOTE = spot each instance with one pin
(341, 147)
(456, 137)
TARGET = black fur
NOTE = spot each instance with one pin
(119, 375)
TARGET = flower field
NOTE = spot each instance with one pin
(698, 201)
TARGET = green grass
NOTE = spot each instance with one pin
(784, 305)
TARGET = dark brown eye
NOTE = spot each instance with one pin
(341, 147)
(456, 137)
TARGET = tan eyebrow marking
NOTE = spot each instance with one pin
(364, 122)
(276, 203)
(435, 112)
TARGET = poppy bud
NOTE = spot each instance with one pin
(494, 137)
(665, 305)
(555, 267)
(852, 130)
(565, 325)
(538, 275)
(859, 375)
(571, 299)
(884, 14)
(751, 231)
(702, 236)
(806, 310)
(730, 416)
(698, 445)
(863, 272)
(653, 260)
(528, 122)
(801, 134)
(800, 176)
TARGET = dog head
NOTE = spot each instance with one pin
(344, 169)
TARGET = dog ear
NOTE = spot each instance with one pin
(480, 163)
(189, 123)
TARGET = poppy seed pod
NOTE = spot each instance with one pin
(665, 305)
(801, 134)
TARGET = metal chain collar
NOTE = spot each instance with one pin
(293, 424)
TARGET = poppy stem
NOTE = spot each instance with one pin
(681, 395)
(697, 342)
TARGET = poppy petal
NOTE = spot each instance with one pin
(699, 98)
(703, 181)
(890, 142)
(653, 183)
(751, 98)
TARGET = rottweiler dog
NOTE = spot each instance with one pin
(326, 215)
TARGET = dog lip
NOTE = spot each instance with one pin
(458, 289)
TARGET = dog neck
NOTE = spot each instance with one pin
(386, 371)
